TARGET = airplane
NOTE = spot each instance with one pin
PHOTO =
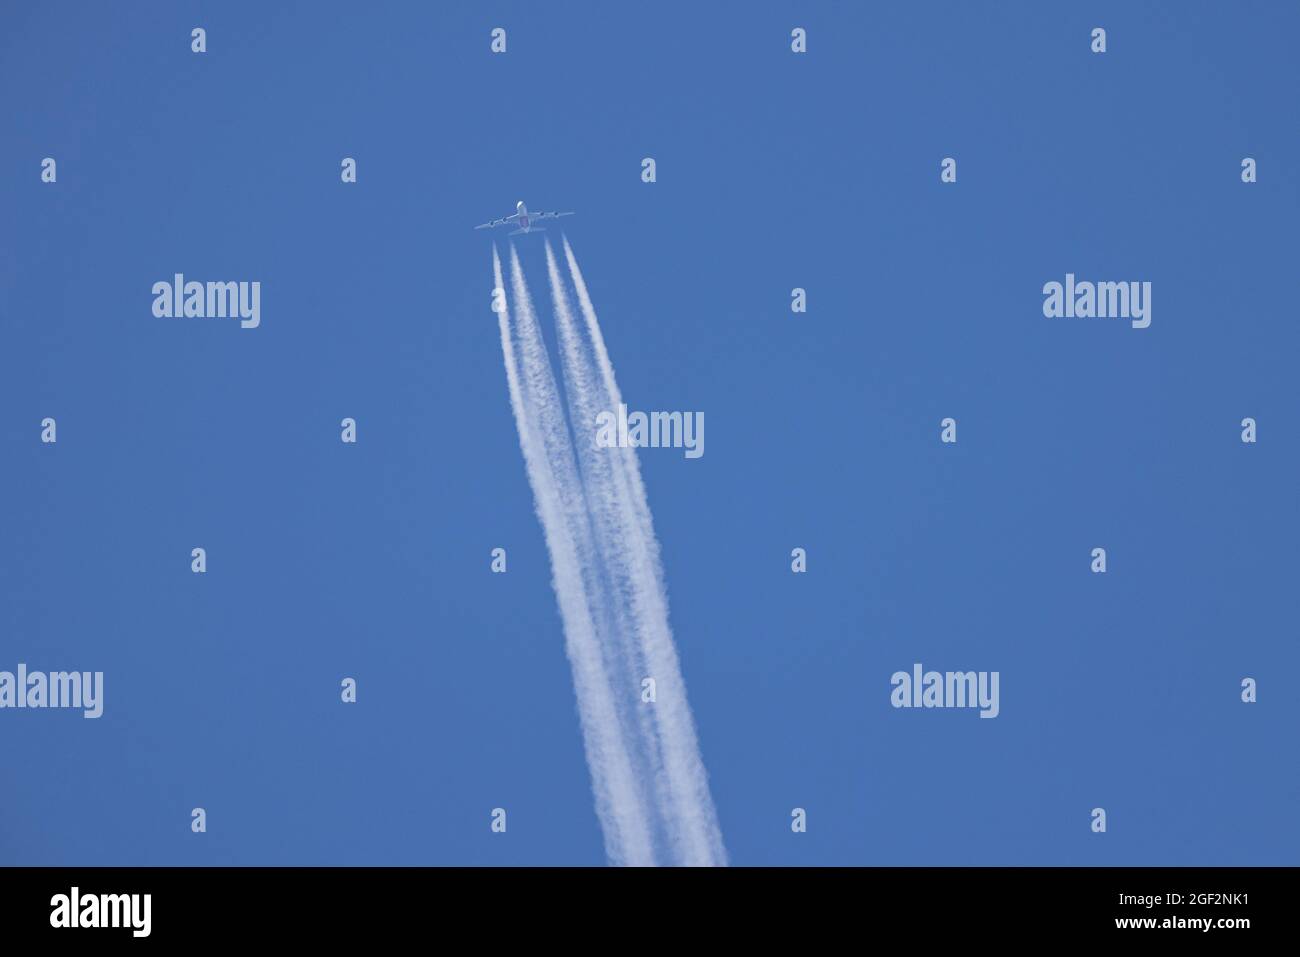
(524, 219)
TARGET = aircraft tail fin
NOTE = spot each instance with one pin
(531, 229)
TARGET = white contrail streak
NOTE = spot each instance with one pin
(558, 498)
(606, 509)
(625, 533)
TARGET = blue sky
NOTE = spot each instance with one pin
(775, 170)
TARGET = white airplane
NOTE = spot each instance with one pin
(523, 219)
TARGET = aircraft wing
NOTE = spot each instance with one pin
(548, 215)
(514, 217)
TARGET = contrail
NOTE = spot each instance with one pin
(625, 532)
(627, 663)
(558, 499)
